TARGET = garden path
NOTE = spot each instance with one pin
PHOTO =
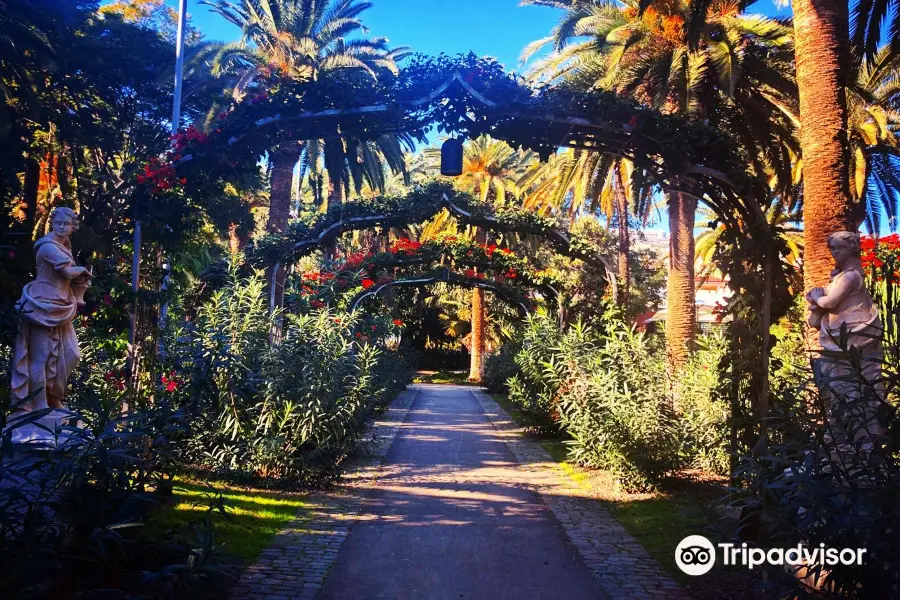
(454, 502)
(453, 517)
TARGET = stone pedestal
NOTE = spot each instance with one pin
(56, 429)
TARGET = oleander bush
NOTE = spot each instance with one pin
(531, 390)
(604, 385)
(289, 412)
(500, 366)
(702, 408)
(616, 409)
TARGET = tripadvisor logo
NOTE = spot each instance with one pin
(696, 555)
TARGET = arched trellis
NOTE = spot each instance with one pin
(443, 197)
(444, 275)
(474, 96)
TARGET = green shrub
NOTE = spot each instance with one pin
(531, 390)
(500, 366)
(68, 515)
(605, 386)
(803, 487)
(616, 409)
(288, 412)
(702, 408)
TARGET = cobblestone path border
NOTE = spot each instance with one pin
(625, 570)
(295, 563)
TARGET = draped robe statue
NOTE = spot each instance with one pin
(46, 348)
(845, 304)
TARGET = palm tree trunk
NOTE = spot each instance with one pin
(31, 184)
(475, 370)
(478, 322)
(822, 51)
(680, 292)
(283, 159)
(234, 240)
(624, 269)
(335, 198)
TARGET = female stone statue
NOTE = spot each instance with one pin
(845, 304)
(46, 348)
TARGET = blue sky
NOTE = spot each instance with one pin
(497, 28)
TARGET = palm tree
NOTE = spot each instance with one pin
(821, 31)
(495, 173)
(728, 68)
(596, 182)
(305, 39)
(873, 119)
(781, 217)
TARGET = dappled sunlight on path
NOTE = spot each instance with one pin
(451, 501)
(452, 516)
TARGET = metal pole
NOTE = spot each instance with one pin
(179, 65)
(133, 316)
(176, 122)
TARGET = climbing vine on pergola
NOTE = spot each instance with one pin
(452, 260)
(473, 96)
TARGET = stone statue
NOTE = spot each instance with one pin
(846, 304)
(46, 348)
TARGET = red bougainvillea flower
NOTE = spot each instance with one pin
(511, 274)
(170, 382)
(158, 175)
(356, 259)
(405, 245)
(469, 272)
(182, 139)
(367, 283)
(398, 322)
(115, 378)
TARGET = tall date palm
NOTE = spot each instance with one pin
(303, 40)
(728, 68)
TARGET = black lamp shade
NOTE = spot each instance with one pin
(452, 157)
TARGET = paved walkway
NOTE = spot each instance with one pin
(459, 506)
(452, 517)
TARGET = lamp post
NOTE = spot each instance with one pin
(176, 121)
(137, 240)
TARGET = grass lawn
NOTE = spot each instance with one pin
(443, 377)
(658, 521)
(254, 516)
